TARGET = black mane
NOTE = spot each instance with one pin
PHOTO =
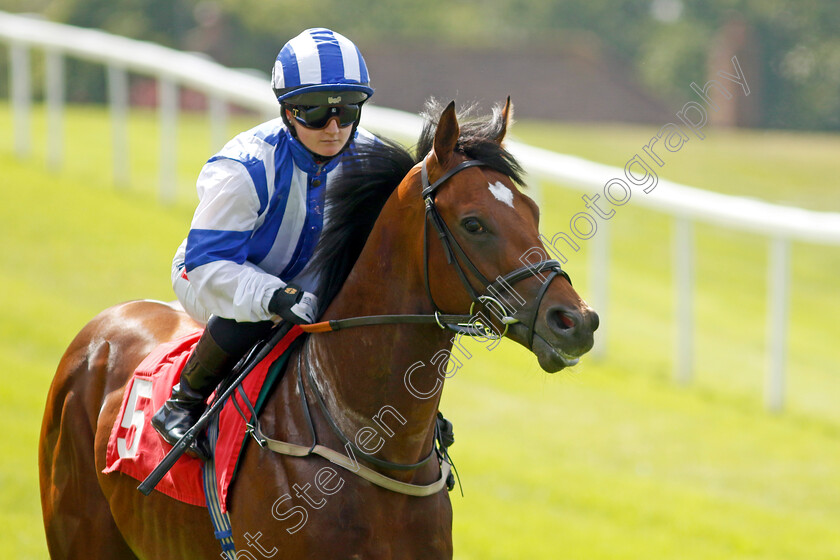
(369, 175)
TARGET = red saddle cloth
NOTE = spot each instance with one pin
(135, 448)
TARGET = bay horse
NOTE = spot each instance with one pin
(407, 235)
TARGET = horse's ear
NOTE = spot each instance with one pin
(507, 119)
(446, 134)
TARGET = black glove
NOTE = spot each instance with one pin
(293, 304)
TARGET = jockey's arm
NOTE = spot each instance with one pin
(217, 246)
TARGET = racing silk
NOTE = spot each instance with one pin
(260, 215)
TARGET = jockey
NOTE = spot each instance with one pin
(243, 265)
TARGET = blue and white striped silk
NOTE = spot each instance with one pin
(260, 214)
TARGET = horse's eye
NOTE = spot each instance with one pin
(472, 225)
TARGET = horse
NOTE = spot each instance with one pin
(409, 236)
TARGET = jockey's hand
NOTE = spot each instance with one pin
(294, 305)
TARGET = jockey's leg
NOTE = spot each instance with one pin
(223, 343)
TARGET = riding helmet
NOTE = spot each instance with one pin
(316, 65)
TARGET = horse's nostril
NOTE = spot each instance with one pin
(562, 320)
(566, 321)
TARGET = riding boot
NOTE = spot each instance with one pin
(204, 370)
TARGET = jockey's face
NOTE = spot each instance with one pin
(327, 141)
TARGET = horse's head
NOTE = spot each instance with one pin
(491, 252)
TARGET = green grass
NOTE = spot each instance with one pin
(795, 168)
(611, 460)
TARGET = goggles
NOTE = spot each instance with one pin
(318, 116)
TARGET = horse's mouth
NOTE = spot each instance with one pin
(550, 358)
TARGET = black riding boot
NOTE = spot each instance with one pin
(204, 370)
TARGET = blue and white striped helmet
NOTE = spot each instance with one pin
(320, 60)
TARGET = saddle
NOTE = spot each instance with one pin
(135, 449)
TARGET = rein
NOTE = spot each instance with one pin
(464, 324)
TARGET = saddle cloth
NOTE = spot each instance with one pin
(135, 448)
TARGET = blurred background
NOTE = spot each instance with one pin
(626, 61)
(667, 442)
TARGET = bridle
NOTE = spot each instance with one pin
(471, 324)
(491, 294)
(468, 325)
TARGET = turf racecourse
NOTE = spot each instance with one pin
(610, 460)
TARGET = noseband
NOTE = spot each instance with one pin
(490, 295)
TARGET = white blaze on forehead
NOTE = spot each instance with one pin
(501, 192)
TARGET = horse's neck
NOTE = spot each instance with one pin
(363, 370)
(381, 378)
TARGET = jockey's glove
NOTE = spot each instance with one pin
(294, 305)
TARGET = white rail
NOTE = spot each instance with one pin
(173, 69)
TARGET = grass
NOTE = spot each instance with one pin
(611, 460)
(794, 168)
